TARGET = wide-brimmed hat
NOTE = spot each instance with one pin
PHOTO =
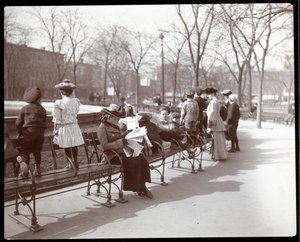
(145, 117)
(226, 92)
(198, 90)
(114, 110)
(190, 92)
(210, 90)
(65, 84)
(31, 94)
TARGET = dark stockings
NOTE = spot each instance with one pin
(72, 153)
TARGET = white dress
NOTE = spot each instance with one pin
(65, 116)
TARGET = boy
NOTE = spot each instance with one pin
(30, 126)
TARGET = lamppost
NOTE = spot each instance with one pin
(162, 69)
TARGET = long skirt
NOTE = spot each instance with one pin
(136, 172)
(219, 151)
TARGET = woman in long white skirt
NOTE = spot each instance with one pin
(215, 125)
(67, 133)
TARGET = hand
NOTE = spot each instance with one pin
(125, 142)
(126, 132)
(208, 130)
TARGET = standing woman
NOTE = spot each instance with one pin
(136, 169)
(215, 125)
(67, 133)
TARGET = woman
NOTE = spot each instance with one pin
(215, 125)
(67, 133)
(136, 169)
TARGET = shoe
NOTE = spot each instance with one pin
(141, 193)
(232, 150)
(237, 149)
(37, 170)
(148, 194)
(24, 167)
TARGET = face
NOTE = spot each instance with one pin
(164, 115)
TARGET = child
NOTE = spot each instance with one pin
(66, 129)
(189, 113)
(30, 126)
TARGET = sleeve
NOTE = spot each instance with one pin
(103, 138)
(183, 111)
(211, 114)
(56, 112)
(20, 121)
(230, 114)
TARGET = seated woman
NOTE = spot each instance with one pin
(169, 132)
(136, 169)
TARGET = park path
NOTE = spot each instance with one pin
(253, 193)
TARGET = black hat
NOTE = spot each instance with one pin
(114, 110)
(226, 92)
(31, 94)
(210, 90)
(198, 90)
(145, 117)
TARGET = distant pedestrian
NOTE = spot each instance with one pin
(202, 103)
(67, 133)
(225, 102)
(190, 113)
(232, 122)
(30, 124)
(215, 125)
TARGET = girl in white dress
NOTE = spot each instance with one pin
(67, 133)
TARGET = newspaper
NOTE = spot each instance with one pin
(134, 138)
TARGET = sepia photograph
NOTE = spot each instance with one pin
(150, 121)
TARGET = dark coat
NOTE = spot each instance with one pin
(233, 114)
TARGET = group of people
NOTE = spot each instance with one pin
(205, 111)
(200, 112)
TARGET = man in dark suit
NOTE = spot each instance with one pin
(232, 122)
(202, 103)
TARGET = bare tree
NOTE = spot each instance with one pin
(264, 46)
(106, 49)
(52, 29)
(80, 42)
(20, 35)
(175, 46)
(137, 45)
(197, 32)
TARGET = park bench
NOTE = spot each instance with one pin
(97, 171)
(97, 174)
(273, 116)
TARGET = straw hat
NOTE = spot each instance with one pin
(65, 84)
(226, 92)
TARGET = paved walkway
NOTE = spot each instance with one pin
(250, 194)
